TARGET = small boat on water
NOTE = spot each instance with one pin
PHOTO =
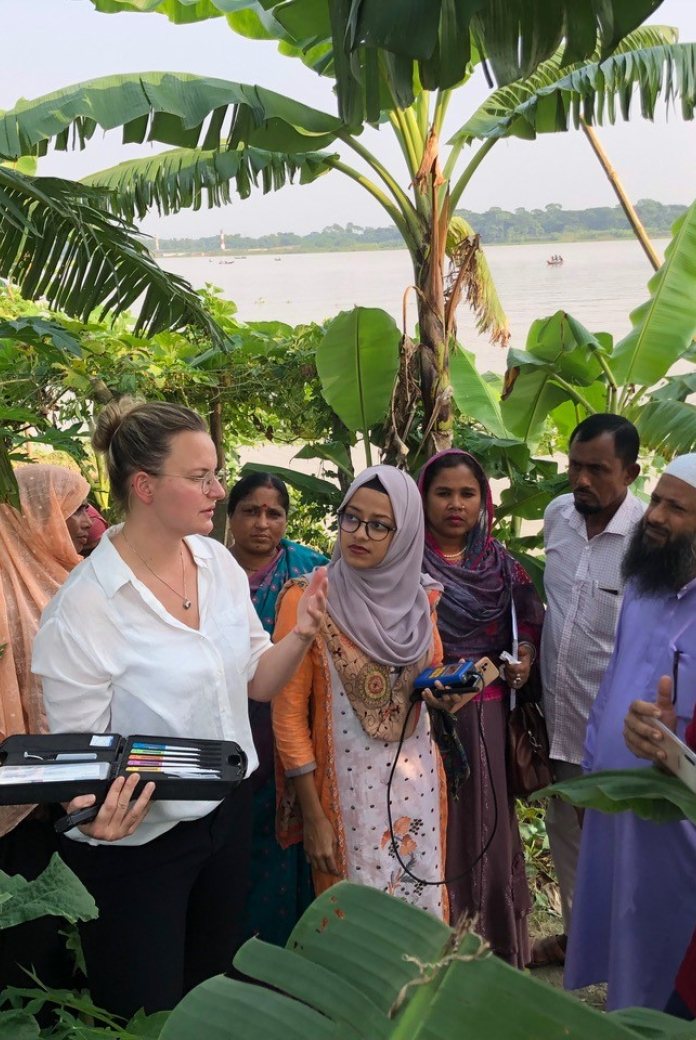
(555, 261)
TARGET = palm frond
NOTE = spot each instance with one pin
(649, 62)
(184, 178)
(58, 243)
(470, 276)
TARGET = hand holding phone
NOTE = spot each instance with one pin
(679, 758)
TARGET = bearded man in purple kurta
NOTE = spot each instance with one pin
(635, 897)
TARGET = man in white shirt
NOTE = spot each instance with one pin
(585, 536)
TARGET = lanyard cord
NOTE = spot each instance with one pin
(484, 850)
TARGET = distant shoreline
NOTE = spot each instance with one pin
(549, 226)
(280, 251)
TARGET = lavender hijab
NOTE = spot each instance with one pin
(385, 609)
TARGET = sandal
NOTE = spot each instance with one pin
(549, 952)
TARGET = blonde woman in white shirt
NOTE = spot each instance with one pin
(155, 633)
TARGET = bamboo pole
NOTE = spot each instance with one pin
(626, 204)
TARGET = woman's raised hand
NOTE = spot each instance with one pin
(312, 606)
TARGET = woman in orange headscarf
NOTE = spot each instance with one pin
(38, 549)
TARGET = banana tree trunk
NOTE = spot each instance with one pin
(434, 362)
(436, 320)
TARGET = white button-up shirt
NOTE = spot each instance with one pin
(584, 590)
(111, 658)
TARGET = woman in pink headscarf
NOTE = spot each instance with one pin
(483, 586)
(38, 549)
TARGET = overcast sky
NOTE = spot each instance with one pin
(48, 44)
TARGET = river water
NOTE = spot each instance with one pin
(599, 283)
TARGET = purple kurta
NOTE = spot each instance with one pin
(634, 910)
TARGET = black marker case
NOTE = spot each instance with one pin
(108, 755)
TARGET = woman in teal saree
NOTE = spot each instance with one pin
(281, 886)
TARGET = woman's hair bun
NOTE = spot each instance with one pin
(109, 420)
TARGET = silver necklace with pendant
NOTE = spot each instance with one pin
(185, 601)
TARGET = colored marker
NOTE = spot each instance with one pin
(174, 771)
(168, 755)
(166, 747)
(179, 764)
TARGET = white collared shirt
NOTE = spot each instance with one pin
(111, 658)
(584, 590)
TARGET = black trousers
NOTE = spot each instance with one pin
(171, 911)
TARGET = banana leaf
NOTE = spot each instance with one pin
(560, 360)
(357, 362)
(416, 41)
(363, 965)
(663, 326)
(648, 792)
(556, 94)
(183, 178)
(475, 398)
(176, 108)
(667, 427)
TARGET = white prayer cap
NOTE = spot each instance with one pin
(683, 467)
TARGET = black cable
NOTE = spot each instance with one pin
(484, 850)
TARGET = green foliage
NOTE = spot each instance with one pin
(541, 874)
(412, 42)
(181, 179)
(57, 243)
(372, 50)
(663, 326)
(545, 100)
(173, 108)
(56, 891)
(559, 353)
(357, 360)
(266, 384)
(567, 372)
(648, 792)
(362, 965)
(475, 397)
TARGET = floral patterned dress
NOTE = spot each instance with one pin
(363, 766)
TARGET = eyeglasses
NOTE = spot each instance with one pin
(205, 481)
(375, 529)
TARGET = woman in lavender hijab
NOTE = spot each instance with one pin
(338, 723)
(481, 582)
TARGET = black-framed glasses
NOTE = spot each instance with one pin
(375, 529)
